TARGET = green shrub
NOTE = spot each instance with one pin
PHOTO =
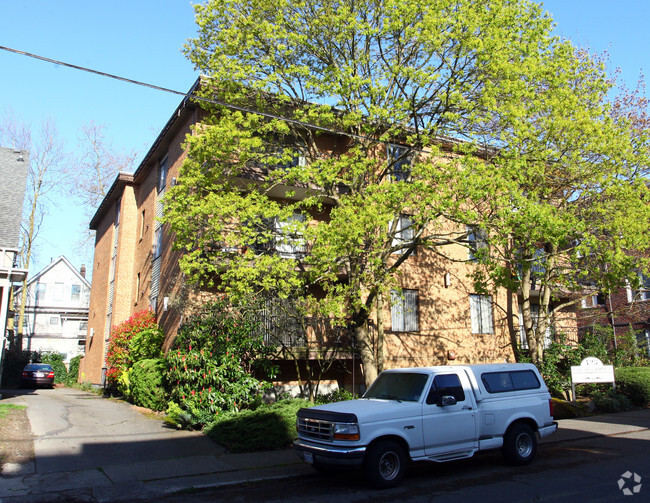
(634, 382)
(145, 384)
(73, 370)
(268, 427)
(56, 361)
(214, 362)
(338, 395)
(120, 355)
(611, 401)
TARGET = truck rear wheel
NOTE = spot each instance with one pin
(385, 464)
(519, 444)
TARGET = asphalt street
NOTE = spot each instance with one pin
(92, 449)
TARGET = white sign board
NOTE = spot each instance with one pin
(592, 370)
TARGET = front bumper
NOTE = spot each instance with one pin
(333, 455)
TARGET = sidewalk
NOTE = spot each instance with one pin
(149, 479)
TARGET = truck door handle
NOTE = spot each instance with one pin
(466, 407)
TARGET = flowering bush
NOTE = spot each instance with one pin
(136, 338)
(212, 364)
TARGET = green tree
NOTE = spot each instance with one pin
(568, 203)
(420, 99)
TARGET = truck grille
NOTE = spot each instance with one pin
(314, 428)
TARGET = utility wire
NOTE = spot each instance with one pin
(186, 95)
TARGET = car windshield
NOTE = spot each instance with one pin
(401, 386)
(38, 366)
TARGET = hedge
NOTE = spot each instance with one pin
(634, 382)
(145, 384)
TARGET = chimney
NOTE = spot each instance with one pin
(82, 271)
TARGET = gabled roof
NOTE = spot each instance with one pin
(35, 278)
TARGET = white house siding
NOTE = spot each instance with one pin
(56, 315)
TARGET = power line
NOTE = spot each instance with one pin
(184, 94)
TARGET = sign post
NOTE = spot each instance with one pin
(591, 370)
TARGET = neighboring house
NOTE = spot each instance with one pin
(438, 319)
(623, 311)
(56, 311)
(13, 175)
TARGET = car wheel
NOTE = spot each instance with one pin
(385, 464)
(519, 444)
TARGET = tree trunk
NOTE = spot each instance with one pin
(380, 333)
(367, 353)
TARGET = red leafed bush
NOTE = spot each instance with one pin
(120, 355)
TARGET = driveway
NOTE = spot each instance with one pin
(74, 430)
(89, 448)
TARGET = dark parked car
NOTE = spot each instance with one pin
(37, 374)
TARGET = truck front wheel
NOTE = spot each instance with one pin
(385, 464)
(519, 444)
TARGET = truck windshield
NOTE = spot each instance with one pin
(401, 386)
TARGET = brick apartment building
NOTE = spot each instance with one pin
(438, 320)
(623, 311)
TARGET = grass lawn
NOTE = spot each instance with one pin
(5, 408)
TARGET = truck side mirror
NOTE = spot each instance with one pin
(448, 400)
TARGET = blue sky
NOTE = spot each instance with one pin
(142, 40)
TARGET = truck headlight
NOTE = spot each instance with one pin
(345, 431)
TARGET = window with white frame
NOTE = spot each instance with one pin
(594, 300)
(162, 174)
(548, 333)
(157, 243)
(643, 293)
(283, 237)
(75, 293)
(399, 163)
(477, 239)
(481, 314)
(289, 241)
(403, 233)
(404, 311)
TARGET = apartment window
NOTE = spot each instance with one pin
(399, 163)
(75, 293)
(595, 300)
(118, 210)
(59, 289)
(643, 339)
(83, 326)
(404, 311)
(142, 224)
(477, 239)
(289, 241)
(403, 233)
(137, 288)
(481, 314)
(162, 174)
(283, 237)
(643, 293)
(534, 312)
(157, 243)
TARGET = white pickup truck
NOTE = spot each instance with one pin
(433, 413)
